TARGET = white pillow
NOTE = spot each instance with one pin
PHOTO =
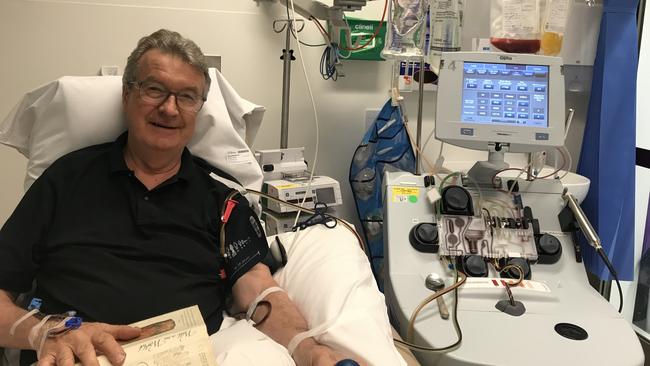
(329, 278)
(74, 112)
(240, 344)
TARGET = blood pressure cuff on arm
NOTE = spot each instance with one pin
(245, 241)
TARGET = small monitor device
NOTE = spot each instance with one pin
(515, 100)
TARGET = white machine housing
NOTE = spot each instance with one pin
(279, 163)
(286, 177)
(322, 189)
(455, 101)
(558, 302)
(557, 293)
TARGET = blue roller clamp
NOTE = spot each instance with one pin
(73, 323)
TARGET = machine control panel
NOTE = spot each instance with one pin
(485, 232)
(494, 231)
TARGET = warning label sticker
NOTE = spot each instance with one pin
(405, 194)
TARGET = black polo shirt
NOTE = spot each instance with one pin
(98, 242)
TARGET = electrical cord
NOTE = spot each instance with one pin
(311, 45)
(489, 216)
(293, 33)
(328, 62)
(570, 161)
(433, 168)
(312, 212)
(426, 301)
(445, 179)
(426, 142)
(523, 170)
(515, 267)
(437, 168)
(562, 167)
(478, 191)
(438, 203)
(322, 29)
(313, 104)
(611, 269)
(506, 206)
(338, 52)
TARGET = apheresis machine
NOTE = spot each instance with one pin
(501, 251)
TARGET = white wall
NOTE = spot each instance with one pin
(45, 39)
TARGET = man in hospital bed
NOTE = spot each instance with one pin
(124, 231)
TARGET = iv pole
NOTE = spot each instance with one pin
(287, 57)
(418, 134)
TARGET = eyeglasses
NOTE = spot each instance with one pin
(152, 92)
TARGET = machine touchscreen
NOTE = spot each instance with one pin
(513, 100)
(508, 94)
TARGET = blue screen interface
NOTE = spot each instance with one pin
(505, 94)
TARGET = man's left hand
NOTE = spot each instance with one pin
(311, 353)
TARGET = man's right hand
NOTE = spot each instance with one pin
(85, 343)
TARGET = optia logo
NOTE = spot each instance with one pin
(505, 57)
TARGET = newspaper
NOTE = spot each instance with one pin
(172, 339)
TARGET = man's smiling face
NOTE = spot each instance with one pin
(162, 127)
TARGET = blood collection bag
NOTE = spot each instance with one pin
(515, 25)
(553, 26)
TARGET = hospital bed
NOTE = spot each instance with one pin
(327, 274)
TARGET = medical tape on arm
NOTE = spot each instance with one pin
(35, 336)
(260, 297)
(295, 341)
(324, 327)
(42, 331)
(12, 331)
